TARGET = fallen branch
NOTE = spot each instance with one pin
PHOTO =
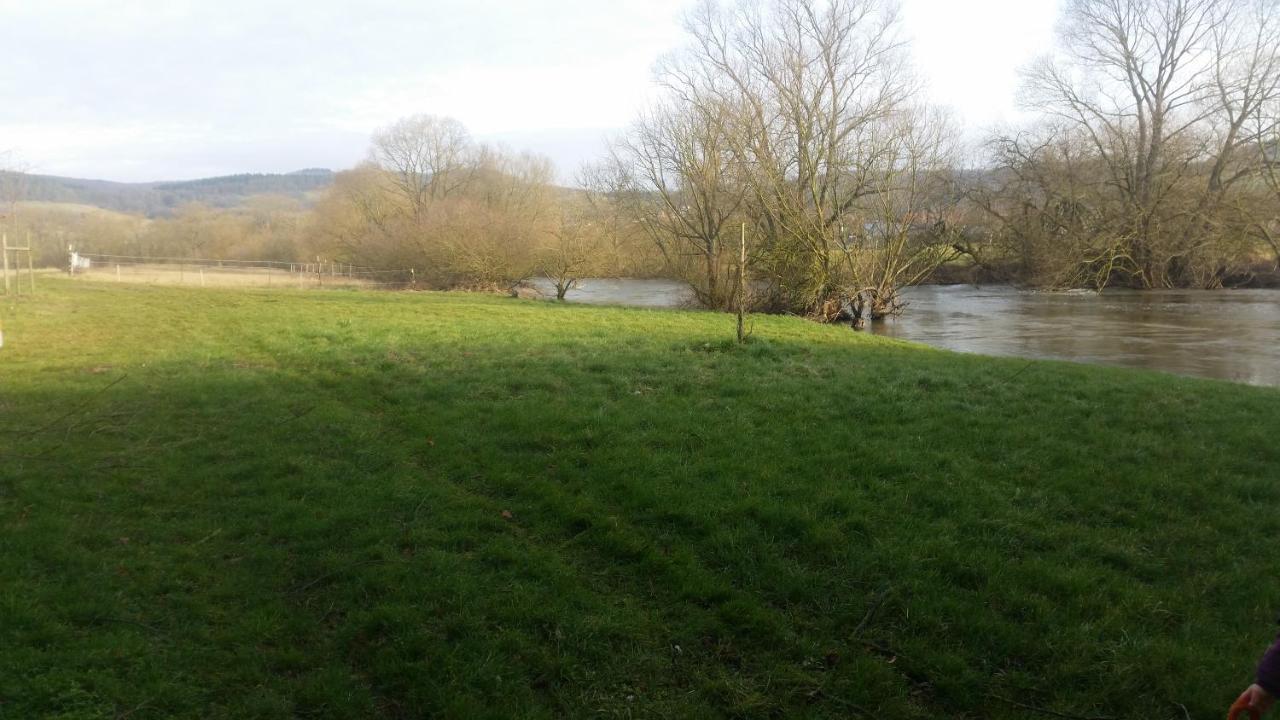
(125, 621)
(1020, 370)
(73, 410)
(305, 412)
(870, 615)
(308, 585)
(852, 707)
(1047, 711)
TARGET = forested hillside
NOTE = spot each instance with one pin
(162, 198)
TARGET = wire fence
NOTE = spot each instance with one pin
(235, 273)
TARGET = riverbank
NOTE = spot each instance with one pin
(1226, 335)
(266, 503)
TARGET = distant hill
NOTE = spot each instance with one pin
(162, 198)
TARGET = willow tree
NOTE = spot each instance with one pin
(572, 249)
(808, 100)
(897, 236)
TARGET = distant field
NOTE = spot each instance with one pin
(258, 503)
(213, 276)
(76, 208)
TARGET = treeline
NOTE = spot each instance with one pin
(1155, 160)
(794, 129)
(797, 128)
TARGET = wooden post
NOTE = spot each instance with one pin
(117, 272)
(4, 250)
(31, 268)
(413, 278)
(742, 283)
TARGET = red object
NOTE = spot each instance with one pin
(1242, 706)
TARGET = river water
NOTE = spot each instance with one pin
(1225, 334)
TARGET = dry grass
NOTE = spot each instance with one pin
(213, 276)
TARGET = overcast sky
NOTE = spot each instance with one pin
(166, 89)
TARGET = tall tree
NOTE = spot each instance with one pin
(1164, 92)
(426, 157)
(682, 160)
(805, 112)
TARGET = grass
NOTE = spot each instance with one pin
(341, 504)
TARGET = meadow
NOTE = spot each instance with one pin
(265, 503)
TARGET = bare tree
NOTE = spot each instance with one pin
(570, 252)
(489, 234)
(1245, 89)
(426, 157)
(1266, 220)
(801, 105)
(1164, 92)
(613, 203)
(900, 234)
(458, 213)
(14, 185)
(683, 164)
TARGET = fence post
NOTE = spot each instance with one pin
(4, 250)
(117, 272)
(742, 284)
(31, 268)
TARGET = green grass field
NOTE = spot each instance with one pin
(329, 504)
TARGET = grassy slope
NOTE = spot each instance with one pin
(256, 504)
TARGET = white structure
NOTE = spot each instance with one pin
(78, 262)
